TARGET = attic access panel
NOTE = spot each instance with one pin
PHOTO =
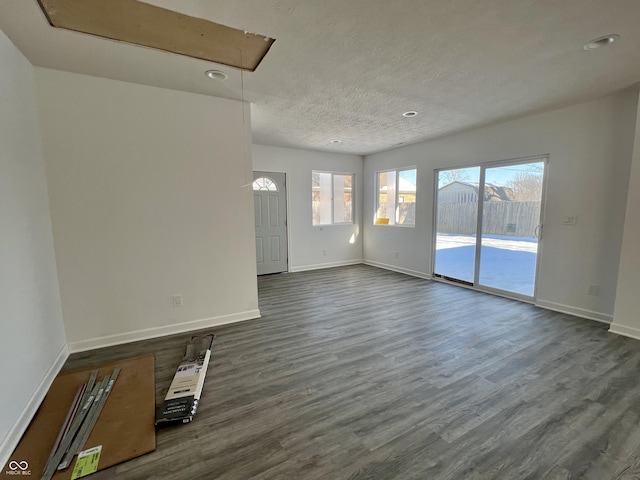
(147, 25)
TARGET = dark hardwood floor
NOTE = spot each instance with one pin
(361, 373)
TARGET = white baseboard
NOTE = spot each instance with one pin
(120, 338)
(10, 442)
(318, 266)
(630, 332)
(578, 312)
(394, 268)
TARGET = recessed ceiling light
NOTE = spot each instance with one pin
(410, 113)
(215, 75)
(336, 141)
(600, 42)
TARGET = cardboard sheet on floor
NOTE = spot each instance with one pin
(125, 428)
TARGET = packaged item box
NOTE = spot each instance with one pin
(181, 401)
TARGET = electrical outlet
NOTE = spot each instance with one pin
(324, 253)
(395, 254)
(177, 300)
(569, 220)
(593, 290)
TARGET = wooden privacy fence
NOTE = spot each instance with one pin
(517, 219)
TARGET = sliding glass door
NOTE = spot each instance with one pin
(456, 224)
(510, 227)
(504, 203)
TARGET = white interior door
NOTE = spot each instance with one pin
(270, 209)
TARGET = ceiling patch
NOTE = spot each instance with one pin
(143, 24)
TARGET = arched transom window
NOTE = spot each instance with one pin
(264, 183)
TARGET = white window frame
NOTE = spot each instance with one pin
(332, 206)
(393, 220)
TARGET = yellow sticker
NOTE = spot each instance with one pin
(87, 462)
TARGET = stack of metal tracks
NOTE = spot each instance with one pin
(79, 422)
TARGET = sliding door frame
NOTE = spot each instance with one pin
(544, 158)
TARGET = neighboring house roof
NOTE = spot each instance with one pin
(492, 192)
(404, 186)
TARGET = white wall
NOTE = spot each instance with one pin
(589, 146)
(626, 318)
(32, 344)
(306, 242)
(147, 201)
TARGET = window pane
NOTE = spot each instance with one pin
(406, 212)
(342, 200)
(331, 198)
(325, 198)
(264, 183)
(386, 197)
(321, 198)
(315, 198)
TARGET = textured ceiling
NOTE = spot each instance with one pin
(346, 70)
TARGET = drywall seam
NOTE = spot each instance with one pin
(144, 334)
(10, 442)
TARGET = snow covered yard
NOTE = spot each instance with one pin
(506, 263)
